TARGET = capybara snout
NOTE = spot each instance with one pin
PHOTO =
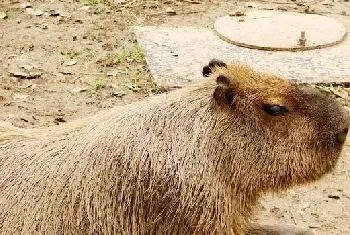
(331, 118)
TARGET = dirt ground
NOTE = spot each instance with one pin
(65, 59)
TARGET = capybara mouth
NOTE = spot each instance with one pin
(340, 137)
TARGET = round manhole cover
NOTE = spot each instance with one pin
(280, 31)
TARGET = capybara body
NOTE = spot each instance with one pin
(193, 161)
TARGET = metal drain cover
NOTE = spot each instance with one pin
(280, 31)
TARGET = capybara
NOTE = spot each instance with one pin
(192, 161)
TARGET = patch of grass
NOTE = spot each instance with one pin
(92, 2)
(134, 54)
(138, 53)
(99, 84)
(154, 88)
(136, 84)
(145, 83)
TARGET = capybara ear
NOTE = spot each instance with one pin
(208, 69)
(224, 93)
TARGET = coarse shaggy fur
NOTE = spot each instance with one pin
(188, 162)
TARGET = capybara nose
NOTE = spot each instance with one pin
(341, 136)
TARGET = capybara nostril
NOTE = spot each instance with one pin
(341, 136)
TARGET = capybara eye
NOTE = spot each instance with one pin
(275, 110)
(229, 96)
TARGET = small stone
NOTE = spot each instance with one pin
(58, 74)
(3, 15)
(33, 12)
(252, 4)
(27, 67)
(18, 96)
(12, 56)
(59, 119)
(54, 13)
(194, 2)
(336, 197)
(26, 75)
(174, 54)
(315, 226)
(74, 38)
(112, 73)
(71, 62)
(237, 13)
(275, 209)
(308, 10)
(170, 11)
(270, 8)
(327, 3)
(26, 5)
(281, 8)
(66, 15)
(118, 94)
(343, 13)
(78, 90)
(23, 119)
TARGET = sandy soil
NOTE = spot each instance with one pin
(64, 59)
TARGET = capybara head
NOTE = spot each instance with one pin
(288, 134)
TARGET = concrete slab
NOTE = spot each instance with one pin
(175, 57)
(277, 30)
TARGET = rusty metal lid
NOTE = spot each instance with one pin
(280, 31)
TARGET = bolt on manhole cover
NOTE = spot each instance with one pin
(280, 31)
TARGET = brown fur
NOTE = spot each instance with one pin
(177, 163)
